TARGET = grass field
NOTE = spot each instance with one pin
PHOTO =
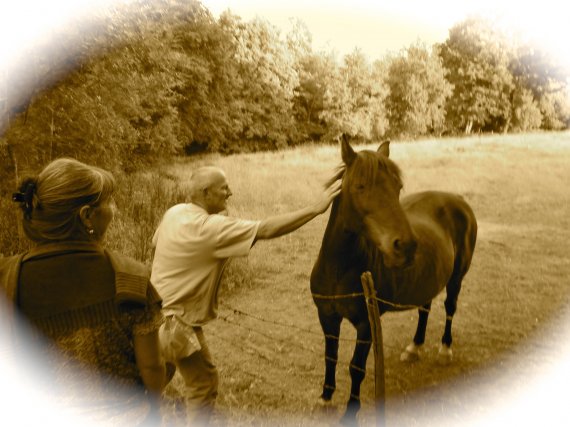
(511, 311)
(271, 369)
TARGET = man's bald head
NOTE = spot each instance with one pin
(209, 188)
(203, 178)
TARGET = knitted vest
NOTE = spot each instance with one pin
(131, 287)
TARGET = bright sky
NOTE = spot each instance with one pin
(380, 26)
(374, 26)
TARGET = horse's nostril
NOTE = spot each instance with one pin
(405, 248)
(397, 245)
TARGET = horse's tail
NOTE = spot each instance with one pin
(466, 236)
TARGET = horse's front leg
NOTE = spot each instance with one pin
(412, 351)
(357, 370)
(331, 329)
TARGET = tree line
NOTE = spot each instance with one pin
(147, 80)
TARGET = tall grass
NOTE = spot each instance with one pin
(141, 199)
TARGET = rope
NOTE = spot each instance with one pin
(271, 338)
(319, 296)
(351, 365)
(288, 325)
(257, 376)
(402, 306)
(357, 341)
(291, 326)
(357, 368)
(383, 301)
(330, 359)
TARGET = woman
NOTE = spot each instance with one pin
(95, 306)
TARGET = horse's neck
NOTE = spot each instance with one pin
(346, 250)
(336, 240)
(340, 245)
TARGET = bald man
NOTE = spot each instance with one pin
(192, 245)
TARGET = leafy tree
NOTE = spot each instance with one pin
(115, 104)
(381, 90)
(337, 102)
(312, 69)
(149, 79)
(541, 76)
(526, 111)
(264, 83)
(418, 92)
(555, 109)
(477, 60)
(309, 102)
(354, 99)
(537, 70)
(207, 107)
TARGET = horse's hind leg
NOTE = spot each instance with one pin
(465, 245)
(331, 329)
(412, 351)
(453, 288)
(357, 370)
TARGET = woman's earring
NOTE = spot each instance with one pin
(90, 231)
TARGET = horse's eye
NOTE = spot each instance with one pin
(360, 186)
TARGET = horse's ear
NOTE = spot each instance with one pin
(385, 148)
(347, 152)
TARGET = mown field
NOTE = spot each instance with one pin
(512, 313)
(271, 358)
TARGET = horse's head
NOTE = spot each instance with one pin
(370, 203)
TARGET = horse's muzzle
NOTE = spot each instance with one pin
(404, 252)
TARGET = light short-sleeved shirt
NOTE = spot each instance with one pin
(191, 250)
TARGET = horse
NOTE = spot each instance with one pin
(413, 247)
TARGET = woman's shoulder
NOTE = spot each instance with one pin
(125, 264)
(9, 272)
(10, 261)
(132, 280)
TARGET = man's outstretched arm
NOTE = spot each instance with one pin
(280, 225)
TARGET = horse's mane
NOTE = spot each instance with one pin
(367, 164)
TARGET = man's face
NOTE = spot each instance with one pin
(217, 194)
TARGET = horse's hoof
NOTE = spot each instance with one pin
(349, 417)
(445, 355)
(411, 354)
(324, 403)
(324, 407)
(349, 420)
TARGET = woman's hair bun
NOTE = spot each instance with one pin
(26, 195)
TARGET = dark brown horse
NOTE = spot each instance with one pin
(413, 247)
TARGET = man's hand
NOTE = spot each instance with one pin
(332, 189)
(338, 173)
(279, 225)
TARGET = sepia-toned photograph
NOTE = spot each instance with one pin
(322, 213)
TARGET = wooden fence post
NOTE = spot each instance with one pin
(377, 343)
